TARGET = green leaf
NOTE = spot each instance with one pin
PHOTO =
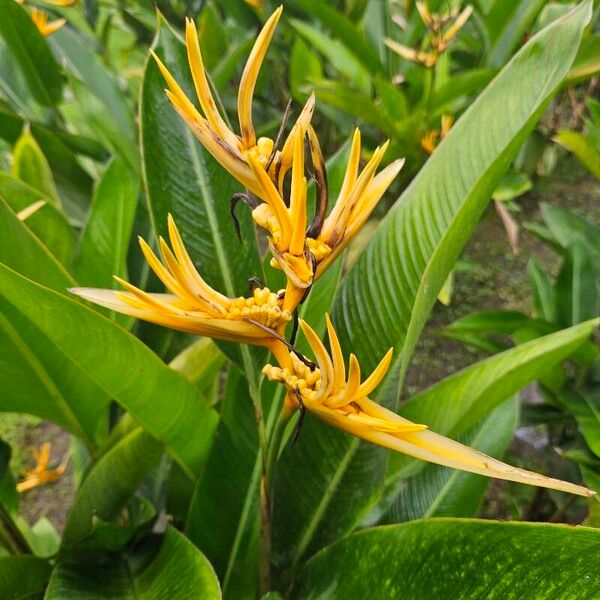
(458, 559)
(31, 167)
(104, 242)
(583, 148)
(305, 67)
(577, 294)
(185, 181)
(463, 84)
(568, 227)
(158, 568)
(440, 492)
(48, 223)
(391, 288)
(587, 62)
(107, 488)
(585, 408)
(73, 182)
(523, 14)
(544, 294)
(336, 53)
(223, 507)
(350, 100)
(511, 186)
(22, 251)
(344, 30)
(81, 58)
(96, 360)
(31, 51)
(23, 577)
(212, 36)
(457, 402)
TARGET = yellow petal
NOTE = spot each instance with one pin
(298, 199)
(322, 356)
(202, 87)
(196, 283)
(374, 379)
(350, 391)
(271, 196)
(287, 152)
(339, 369)
(249, 77)
(458, 24)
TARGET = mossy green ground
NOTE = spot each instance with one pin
(497, 281)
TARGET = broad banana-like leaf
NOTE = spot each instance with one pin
(81, 360)
(459, 559)
(23, 576)
(160, 567)
(107, 488)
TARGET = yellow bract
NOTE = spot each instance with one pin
(44, 26)
(342, 401)
(192, 305)
(234, 152)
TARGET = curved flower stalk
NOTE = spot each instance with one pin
(45, 27)
(302, 252)
(233, 151)
(443, 29)
(342, 401)
(191, 304)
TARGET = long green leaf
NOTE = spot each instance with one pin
(32, 53)
(23, 577)
(78, 54)
(105, 240)
(583, 148)
(107, 487)
(458, 559)
(85, 349)
(48, 223)
(160, 568)
(22, 251)
(342, 28)
(330, 478)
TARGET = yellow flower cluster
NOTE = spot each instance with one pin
(442, 28)
(303, 251)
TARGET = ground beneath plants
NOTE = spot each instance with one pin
(498, 280)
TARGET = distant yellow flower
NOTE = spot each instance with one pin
(429, 141)
(191, 304)
(41, 22)
(234, 152)
(40, 474)
(342, 401)
(61, 2)
(257, 4)
(305, 251)
(440, 35)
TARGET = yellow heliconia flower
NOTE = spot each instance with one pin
(61, 2)
(191, 304)
(342, 401)
(46, 28)
(234, 152)
(440, 36)
(429, 141)
(40, 474)
(302, 252)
